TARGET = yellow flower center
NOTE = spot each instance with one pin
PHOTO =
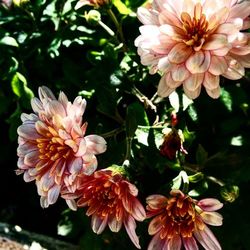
(196, 29)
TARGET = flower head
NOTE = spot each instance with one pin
(172, 143)
(181, 220)
(194, 42)
(53, 148)
(95, 3)
(111, 200)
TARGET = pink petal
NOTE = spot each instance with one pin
(55, 108)
(44, 202)
(174, 243)
(114, 224)
(210, 204)
(156, 201)
(71, 204)
(45, 93)
(138, 211)
(95, 144)
(29, 118)
(192, 94)
(46, 182)
(130, 225)
(193, 82)
(207, 239)
(222, 51)
(28, 131)
(31, 158)
(235, 70)
(98, 224)
(179, 73)
(27, 177)
(82, 148)
(167, 17)
(241, 10)
(41, 128)
(164, 65)
(242, 50)
(157, 243)
(147, 16)
(75, 165)
(218, 65)
(214, 93)
(243, 60)
(212, 218)
(216, 41)
(190, 243)
(164, 90)
(179, 53)
(53, 194)
(198, 62)
(36, 105)
(211, 81)
(155, 225)
(227, 29)
(89, 164)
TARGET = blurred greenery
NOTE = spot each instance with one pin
(49, 43)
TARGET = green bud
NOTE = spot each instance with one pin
(230, 193)
(196, 177)
(93, 17)
(116, 169)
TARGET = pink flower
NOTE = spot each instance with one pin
(180, 220)
(53, 148)
(194, 42)
(111, 200)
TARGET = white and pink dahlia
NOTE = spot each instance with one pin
(53, 148)
(193, 42)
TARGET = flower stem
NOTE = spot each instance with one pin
(110, 31)
(118, 27)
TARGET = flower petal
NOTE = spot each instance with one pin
(193, 82)
(98, 224)
(179, 53)
(211, 81)
(114, 224)
(147, 16)
(53, 194)
(179, 73)
(130, 225)
(218, 65)
(156, 243)
(212, 218)
(95, 144)
(164, 90)
(174, 243)
(207, 239)
(28, 131)
(155, 225)
(190, 243)
(214, 93)
(210, 204)
(198, 62)
(216, 41)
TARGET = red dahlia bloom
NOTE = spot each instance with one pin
(180, 220)
(53, 148)
(111, 200)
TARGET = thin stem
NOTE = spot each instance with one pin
(118, 27)
(215, 180)
(113, 132)
(128, 148)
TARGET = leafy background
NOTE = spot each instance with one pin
(49, 43)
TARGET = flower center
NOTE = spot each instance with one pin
(52, 147)
(181, 217)
(196, 29)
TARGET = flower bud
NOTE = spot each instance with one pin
(93, 17)
(230, 193)
(196, 177)
(172, 143)
(95, 3)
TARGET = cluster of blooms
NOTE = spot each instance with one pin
(193, 42)
(54, 151)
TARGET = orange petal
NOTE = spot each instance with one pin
(179, 53)
(218, 65)
(198, 62)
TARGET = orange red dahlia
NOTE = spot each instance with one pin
(111, 201)
(181, 221)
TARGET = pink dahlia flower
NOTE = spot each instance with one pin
(180, 220)
(53, 148)
(111, 201)
(193, 42)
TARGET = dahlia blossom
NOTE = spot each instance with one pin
(53, 148)
(193, 42)
(111, 200)
(180, 220)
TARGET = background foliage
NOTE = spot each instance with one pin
(49, 43)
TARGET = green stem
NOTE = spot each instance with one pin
(110, 31)
(113, 132)
(128, 148)
(118, 27)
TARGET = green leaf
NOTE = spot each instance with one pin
(121, 7)
(10, 41)
(201, 155)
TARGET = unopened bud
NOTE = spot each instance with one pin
(95, 3)
(230, 193)
(196, 177)
(93, 17)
